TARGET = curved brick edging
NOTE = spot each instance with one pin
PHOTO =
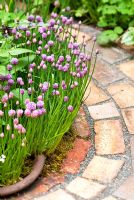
(106, 173)
(71, 164)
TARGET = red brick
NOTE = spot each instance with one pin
(81, 125)
(74, 158)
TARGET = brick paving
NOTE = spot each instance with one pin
(109, 173)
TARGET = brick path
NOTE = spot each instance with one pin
(107, 172)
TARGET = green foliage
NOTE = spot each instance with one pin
(128, 37)
(115, 13)
(109, 36)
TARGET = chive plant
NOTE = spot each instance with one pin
(41, 90)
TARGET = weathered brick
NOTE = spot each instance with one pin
(103, 169)
(128, 115)
(126, 190)
(109, 137)
(123, 94)
(110, 198)
(127, 68)
(73, 159)
(103, 111)
(105, 74)
(94, 95)
(85, 188)
(81, 125)
(57, 195)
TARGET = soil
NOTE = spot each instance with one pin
(54, 161)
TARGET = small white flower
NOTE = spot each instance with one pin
(2, 158)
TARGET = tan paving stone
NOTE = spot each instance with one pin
(57, 195)
(127, 68)
(105, 74)
(126, 190)
(103, 111)
(128, 115)
(87, 36)
(108, 54)
(132, 150)
(109, 137)
(123, 94)
(110, 198)
(85, 188)
(103, 169)
(94, 95)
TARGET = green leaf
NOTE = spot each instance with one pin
(2, 122)
(128, 37)
(106, 37)
(18, 51)
(3, 70)
(118, 30)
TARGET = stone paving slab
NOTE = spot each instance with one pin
(57, 195)
(128, 115)
(132, 150)
(103, 169)
(94, 95)
(127, 68)
(103, 111)
(110, 198)
(126, 190)
(109, 137)
(123, 94)
(106, 74)
(85, 188)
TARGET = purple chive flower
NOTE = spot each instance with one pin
(30, 18)
(27, 113)
(45, 87)
(68, 58)
(70, 108)
(28, 33)
(9, 67)
(22, 91)
(61, 59)
(16, 121)
(44, 57)
(44, 35)
(19, 112)
(11, 95)
(55, 85)
(52, 22)
(35, 114)
(2, 135)
(66, 98)
(10, 82)
(39, 18)
(1, 113)
(6, 88)
(14, 31)
(14, 61)
(8, 76)
(11, 113)
(4, 98)
(31, 106)
(40, 104)
(50, 43)
(57, 92)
